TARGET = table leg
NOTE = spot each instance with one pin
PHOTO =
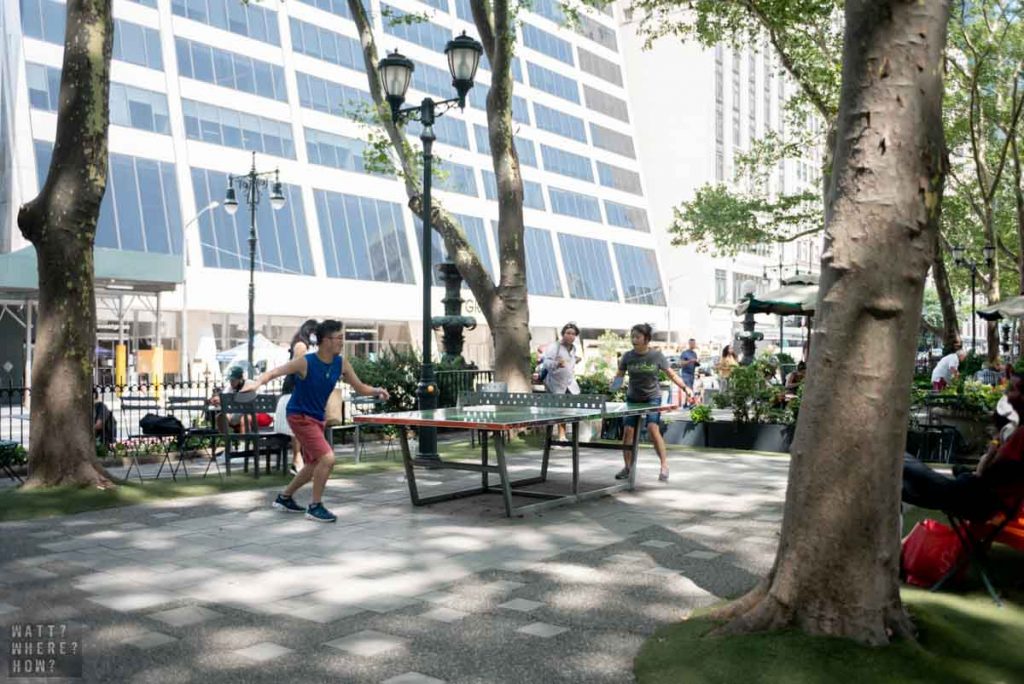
(410, 473)
(575, 457)
(484, 480)
(635, 453)
(547, 453)
(506, 488)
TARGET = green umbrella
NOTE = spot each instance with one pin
(798, 296)
(1008, 308)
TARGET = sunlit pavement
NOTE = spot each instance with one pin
(223, 588)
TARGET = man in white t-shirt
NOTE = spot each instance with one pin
(947, 368)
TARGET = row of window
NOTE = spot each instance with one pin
(363, 238)
(533, 195)
(341, 152)
(413, 29)
(330, 97)
(230, 70)
(329, 46)
(222, 126)
(524, 147)
(553, 83)
(543, 42)
(242, 18)
(339, 7)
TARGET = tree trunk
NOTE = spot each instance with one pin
(1018, 197)
(836, 572)
(950, 325)
(61, 223)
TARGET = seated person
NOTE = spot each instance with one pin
(236, 378)
(104, 426)
(995, 483)
(796, 378)
(990, 374)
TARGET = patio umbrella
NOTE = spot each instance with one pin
(1008, 308)
(798, 296)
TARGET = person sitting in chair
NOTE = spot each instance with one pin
(104, 426)
(236, 421)
(974, 495)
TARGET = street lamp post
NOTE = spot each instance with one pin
(395, 72)
(185, 360)
(959, 259)
(252, 183)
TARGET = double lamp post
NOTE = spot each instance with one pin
(989, 252)
(395, 72)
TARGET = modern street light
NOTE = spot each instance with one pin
(395, 72)
(959, 259)
(185, 360)
(252, 184)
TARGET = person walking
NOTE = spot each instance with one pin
(688, 362)
(643, 363)
(725, 366)
(559, 360)
(303, 341)
(316, 375)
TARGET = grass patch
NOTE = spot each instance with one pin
(960, 639)
(53, 501)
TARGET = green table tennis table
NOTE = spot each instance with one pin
(497, 414)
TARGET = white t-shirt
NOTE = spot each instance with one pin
(945, 367)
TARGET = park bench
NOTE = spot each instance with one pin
(252, 442)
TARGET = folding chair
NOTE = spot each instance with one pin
(191, 410)
(133, 410)
(8, 449)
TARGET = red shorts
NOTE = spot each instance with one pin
(310, 433)
(939, 384)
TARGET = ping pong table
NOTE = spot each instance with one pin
(498, 414)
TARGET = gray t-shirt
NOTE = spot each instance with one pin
(643, 373)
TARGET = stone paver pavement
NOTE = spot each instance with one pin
(224, 589)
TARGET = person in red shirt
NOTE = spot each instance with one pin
(994, 484)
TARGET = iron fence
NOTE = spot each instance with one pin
(451, 382)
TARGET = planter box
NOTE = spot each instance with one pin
(729, 435)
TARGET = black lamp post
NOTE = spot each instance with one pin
(395, 72)
(959, 259)
(252, 183)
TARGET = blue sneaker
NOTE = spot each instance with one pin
(319, 513)
(287, 503)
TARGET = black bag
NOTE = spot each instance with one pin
(153, 424)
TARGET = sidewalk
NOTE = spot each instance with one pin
(225, 589)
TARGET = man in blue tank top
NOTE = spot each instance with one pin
(316, 374)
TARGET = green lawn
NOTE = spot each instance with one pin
(42, 503)
(962, 637)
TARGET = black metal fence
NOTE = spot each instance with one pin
(451, 382)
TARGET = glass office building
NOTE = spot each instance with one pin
(198, 85)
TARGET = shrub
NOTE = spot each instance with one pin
(751, 398)
(701, 413)
(396, 371)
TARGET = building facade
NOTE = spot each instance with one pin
(198, 85)
(689, 131)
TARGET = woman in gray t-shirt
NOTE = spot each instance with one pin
(643, 365)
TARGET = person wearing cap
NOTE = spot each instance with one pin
(236, 379)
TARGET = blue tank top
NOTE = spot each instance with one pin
(311, 393)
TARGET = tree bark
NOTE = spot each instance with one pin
(511, 346)
(61, 224)
(950, 325)
(836, 571)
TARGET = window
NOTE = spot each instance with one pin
(597, 32)
(138, 108)
(549, 9)
(735, 100)
(525, 147)
(516, 68)
(606, 104)
(282, 244)
(43, 20)
(424, 33)
(720, 287)
(463, 10)
(339, 7)
(230, 70)
(559, 123)
(619, 178)
(475, 234)
(719, 115)
(245, 19)
(326, 45)
(137, 44)
(328, 149)
(550, 82)
(588, 268)
(613, 141)
(542, 41)
(638, 271)
(147, 3)
(449, 130)
(43, 87)
(625, 216)
(432, 81)
(478, 99)
(330, 97)
(231, 128)
(437, 4)
(576, 204)
(751, 96)
(363, 238)
(541, 268)
(566, 163)
(455, 178)
(600, 67)
(533, 195)
(139, 211)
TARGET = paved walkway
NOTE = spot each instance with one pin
(225, 589)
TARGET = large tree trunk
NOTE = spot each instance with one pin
(836, 572)
(950, 325)
(61, 223)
